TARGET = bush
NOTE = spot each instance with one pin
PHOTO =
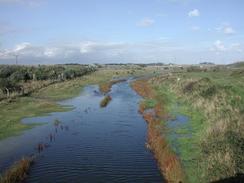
(12, 76)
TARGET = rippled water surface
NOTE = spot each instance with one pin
(91, 144)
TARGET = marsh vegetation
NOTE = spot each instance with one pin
(105, 101)
(18, 172)
(207, 147)
(210, 145)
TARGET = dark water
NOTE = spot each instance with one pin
(91, 144)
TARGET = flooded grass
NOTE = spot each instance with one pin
(12, 113)
(56, 122)
(18, 172)
(169, 163)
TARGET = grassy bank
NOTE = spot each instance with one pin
(105, 87)
(155, 114)
(210, 145)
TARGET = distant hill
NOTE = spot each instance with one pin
(237, 65)
(206, 63)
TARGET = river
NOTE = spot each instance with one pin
(91, 144)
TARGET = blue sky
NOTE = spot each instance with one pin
(105, 31)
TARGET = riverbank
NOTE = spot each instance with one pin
(153, 111)
(213, 103)
(105, 87)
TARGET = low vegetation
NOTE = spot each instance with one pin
(105, 101)
(208, 148)
(13, 111)
(18, 172)
(23, 80)
(210, 145)
(105, 87)
(155, 114)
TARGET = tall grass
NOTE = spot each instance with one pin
(168, 162)
(18, 172)
(219, 139)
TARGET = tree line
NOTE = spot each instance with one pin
(13, 77)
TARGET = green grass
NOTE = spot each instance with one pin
(187, 145)
(214, 103)
(149, 103)
(12, 113)
(71, 88)
(237, 65)
(42, 102)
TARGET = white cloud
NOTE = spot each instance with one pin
(218, 46)
(51, 52)
(226, 28)
(88, 51)
(22, 46)
(194, 13)
(229, 30)
(146, 22)
(162, 50)
(86, 47)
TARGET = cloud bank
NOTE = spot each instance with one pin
(118, 52)
(194, 13)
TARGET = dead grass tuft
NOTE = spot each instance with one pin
(18, 172)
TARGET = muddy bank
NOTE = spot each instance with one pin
(168, 162)
(106, 87)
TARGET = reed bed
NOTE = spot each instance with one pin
(18, 172)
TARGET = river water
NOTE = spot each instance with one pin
(91, 144)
